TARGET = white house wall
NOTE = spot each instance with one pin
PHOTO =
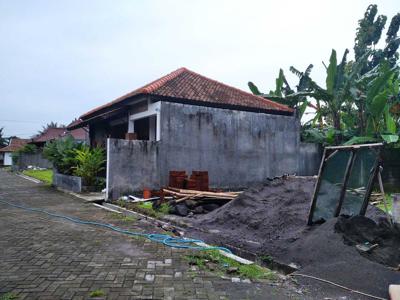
(7, 159)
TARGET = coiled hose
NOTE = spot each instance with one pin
(173, 242)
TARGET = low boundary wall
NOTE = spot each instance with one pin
(67, 182)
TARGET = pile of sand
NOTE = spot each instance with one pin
(270, 219)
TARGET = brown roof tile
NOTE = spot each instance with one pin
(15, 144)
(186, 84)
(49, 134)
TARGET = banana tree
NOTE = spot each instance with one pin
(376, 97)
(284, 94)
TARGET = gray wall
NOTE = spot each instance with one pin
(309, 159)
(131, 166)
(36, 159)
(236, 148)
(67, 182)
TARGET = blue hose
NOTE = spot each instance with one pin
(173, 242)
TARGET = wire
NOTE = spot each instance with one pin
(173, 242)
(338, 285)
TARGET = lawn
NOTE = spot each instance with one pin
(213, 260)
(43, 175)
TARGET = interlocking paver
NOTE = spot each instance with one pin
(49, 258)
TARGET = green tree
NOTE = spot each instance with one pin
(89, 163)
(3, 140)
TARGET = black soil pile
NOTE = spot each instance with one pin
(267, 217)
(270, 220)
(381, 238)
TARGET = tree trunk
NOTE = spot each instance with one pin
(336, 125)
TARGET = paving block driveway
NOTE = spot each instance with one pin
(48, 258)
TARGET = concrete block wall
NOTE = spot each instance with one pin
(309, 159)
(131, 166)
(35, 159)
(236, 148)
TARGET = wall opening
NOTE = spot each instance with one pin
(146, 128)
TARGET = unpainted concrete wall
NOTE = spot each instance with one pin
(131, 166)
(36, 159)
(237, 148)
(67, 182)
(309, 158)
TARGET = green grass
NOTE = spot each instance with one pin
(146, 208)
(203, 259)
(389, 202)
(8, 296)
(43, 175)
(97, 293)
(123, 218)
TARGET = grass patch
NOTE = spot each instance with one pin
(8, 296)
(43, 175)
(96, 293)
(213, 260)
(123, 218)
(146, 208)
(389, 202)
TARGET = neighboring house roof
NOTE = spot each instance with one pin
(49, 134)
(187, 85)
(77, 134)
(15, 144)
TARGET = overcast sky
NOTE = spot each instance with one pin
(59, 59)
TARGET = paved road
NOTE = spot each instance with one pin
(48, 258)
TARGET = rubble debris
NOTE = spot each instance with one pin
(189, 202)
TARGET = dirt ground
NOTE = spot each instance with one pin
(270, 221)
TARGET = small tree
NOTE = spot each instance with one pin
(90, 163)
(62, 154)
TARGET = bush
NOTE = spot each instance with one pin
(28, 149)
(62, 154)
(89, 163)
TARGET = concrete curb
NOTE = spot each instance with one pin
(29, 178)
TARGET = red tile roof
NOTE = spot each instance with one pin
(15, 144)
(188, 85)
(77, 134)
(49, 134)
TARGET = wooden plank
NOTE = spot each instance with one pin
(347, 174)
(354, 146)
(316, 189)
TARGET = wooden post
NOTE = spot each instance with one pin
(347, 174)
(316, 189)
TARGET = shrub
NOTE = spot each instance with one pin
(89, 163)
(62, 154)
(29, 149)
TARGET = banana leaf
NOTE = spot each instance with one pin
(360, 140)
(390, 138)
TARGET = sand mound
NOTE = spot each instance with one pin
(273, 212)
(270, 216)
(270, 219)
(361, 230)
